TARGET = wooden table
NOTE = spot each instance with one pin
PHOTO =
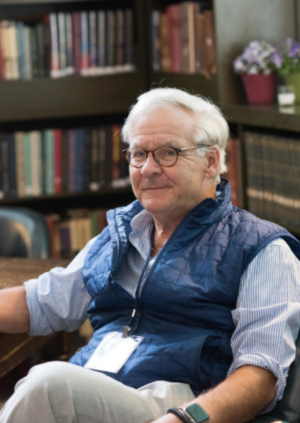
(13, 272)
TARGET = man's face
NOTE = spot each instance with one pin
(167, 191)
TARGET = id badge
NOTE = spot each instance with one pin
(113, 352)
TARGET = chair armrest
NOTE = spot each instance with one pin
(268, 419)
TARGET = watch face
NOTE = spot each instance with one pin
(197, 413)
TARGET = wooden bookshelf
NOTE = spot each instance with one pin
(265, 116)
(47, 98)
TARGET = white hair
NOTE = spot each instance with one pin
(211, 127)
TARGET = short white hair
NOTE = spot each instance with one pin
(211, 127)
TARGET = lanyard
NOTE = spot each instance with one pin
(127, 328)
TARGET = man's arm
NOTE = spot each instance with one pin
(14, 312)
(241, 397)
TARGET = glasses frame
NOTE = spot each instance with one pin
(178, 151)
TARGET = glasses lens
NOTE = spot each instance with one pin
(165, 156)
(136, 156)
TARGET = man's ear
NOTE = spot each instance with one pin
(212, 163)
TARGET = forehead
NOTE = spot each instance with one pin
(176, 125)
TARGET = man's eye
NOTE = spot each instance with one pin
(138, 154)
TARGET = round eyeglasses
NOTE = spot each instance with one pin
(164, 156)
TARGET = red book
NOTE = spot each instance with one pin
(175, 28)
(57, 161)
(76, 38)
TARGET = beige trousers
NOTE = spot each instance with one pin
(60, 392)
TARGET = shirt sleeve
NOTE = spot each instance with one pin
(58, 300)
(267, 316)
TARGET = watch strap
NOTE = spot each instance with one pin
(181, 414)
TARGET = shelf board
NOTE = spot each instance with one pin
(39, 2)
(47, 98)
(193, 83)
(267, 116)
(65, 195)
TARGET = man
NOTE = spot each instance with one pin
(192, 301)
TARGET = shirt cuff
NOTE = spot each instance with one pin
(268, 363)
(39, 325)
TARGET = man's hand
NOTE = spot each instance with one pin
(240, 398)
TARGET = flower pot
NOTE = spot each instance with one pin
(294, 79)
(260, 89)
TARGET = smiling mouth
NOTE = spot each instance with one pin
(153, 188)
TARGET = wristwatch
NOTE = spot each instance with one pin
(192, 414)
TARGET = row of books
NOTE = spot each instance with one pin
(54, 161)
(70, 234)
(61, 44)
(273, 177)
(183, 39)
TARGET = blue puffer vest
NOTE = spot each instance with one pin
(187, 299)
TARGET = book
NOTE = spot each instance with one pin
(120, 39)
(155, 40)
(76, 41)
(84, 42)
(20, 165)
(101, 40)
(27, 163)
(188, 29)
(57, 135)
(27, 53)
(34, 51)
(21, 49)
(55, 58)
(11, 155)
(129, 53)
(93, 60)
(70, 70)
(94, 183)
(175, 34)
(2, 64)
(49, 163)
(164, 43)
(36, 163)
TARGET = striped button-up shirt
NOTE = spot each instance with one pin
(266, 318)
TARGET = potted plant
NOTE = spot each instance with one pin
(257, 72)
(286, 61)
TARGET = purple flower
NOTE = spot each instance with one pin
(276, 58)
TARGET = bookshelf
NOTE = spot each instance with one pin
(88, 101)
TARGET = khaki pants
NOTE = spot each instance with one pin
(60, 392)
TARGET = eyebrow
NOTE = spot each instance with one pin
(164, 144)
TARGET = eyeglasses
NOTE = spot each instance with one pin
(164, 156)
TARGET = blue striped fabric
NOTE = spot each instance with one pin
(267, 316)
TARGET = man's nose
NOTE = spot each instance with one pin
(150, 166)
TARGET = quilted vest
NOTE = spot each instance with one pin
(187, 298)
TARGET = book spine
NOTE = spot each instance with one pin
(47, 46)
(110, 40)
(76, 30)
(54, 46)
(155, 41)
(34, 51)
(120, 39)
(164, 40)
(12, 165)
(129, 40)
(84, 42)
(5, 165)
(191, 37)
(27, 157)
(20, 164)
(62, 48)
(41, 49)
(64, 161)
(57, 161)
(116, 157)
(21, 46)
(101, 39)
(93, 39)
(27, 49)
(13, 49)
(174, 14)
(94, 180)
(49, 148)
(72, 146)
(69, 45)
(36, 162)
(210, 41)
(6, 49)
(103, 164)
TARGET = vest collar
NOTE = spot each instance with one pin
(205, 213)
